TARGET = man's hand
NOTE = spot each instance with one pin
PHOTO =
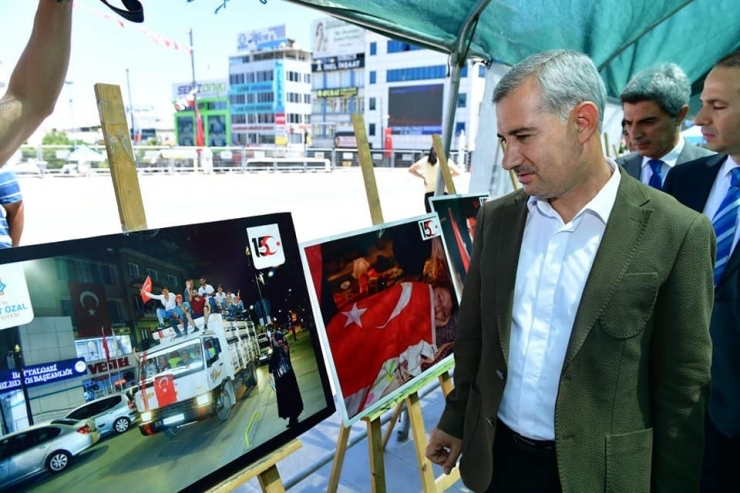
(443, 449)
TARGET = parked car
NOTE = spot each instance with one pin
(48, 446)
(113, 413)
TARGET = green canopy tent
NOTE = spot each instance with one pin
(622, 37)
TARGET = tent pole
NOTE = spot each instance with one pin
(458, 59)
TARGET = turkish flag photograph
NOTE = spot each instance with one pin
(90, 308)
(388, 306)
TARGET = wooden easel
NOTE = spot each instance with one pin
(410, 398)
(131, 211)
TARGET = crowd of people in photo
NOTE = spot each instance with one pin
(195, 303)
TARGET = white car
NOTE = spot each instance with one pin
(48, 446)
(113, 413)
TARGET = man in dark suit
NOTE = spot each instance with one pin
(712, 185)
(582, 355)
(655, 103)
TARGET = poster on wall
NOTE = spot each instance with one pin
(457, 217)
(388, 308)
(195, 344)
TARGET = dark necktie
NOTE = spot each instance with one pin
(725, 224)
(656, 180)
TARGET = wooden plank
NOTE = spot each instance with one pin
(375, 454)
(606, 145)
(264, 470)
(420, 442)
(368, 172)
(445, 381)
(443, 166)
(339, 453)
(120, 157)
(443, 482)
(270, 481)
(392, 424)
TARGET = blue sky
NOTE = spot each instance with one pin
(102, 50)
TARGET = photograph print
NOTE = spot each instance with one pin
(388, 308)
(162, 360)
(457, 217)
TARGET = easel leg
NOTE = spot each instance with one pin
(375, 454)
(336, 467)
(270, 481)
(420, 443)
(392, 424)
(445, 381)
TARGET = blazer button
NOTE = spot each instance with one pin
(500, 374)
(490, 421)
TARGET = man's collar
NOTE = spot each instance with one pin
(672, 157)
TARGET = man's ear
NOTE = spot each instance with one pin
(682, 115)
(586, 117)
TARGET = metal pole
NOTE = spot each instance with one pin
(130, 106)
(69, 83)
(195, 93)
(458, 60)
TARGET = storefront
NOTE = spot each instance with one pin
(213, 103)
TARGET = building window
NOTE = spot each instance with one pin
(133, 270)
(399, 47)
(462, 100)
(416, 73)
(307, 78)
(115, 311)
(373, 48)
(371, 130)
(307, 98)
(481, 70)
(171, 281)
(153, 274)
(372, 104)
(373, 76)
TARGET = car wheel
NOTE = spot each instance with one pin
(58, 461)
(121, 425)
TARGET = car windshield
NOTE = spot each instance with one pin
(174, 360)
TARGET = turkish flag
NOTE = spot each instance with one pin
(387, 142)
(200, 139)
(378, 328)
(147, 286)
(164, 389)
(90, 308)
(105, 345)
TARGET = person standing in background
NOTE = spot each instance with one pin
(426, 168)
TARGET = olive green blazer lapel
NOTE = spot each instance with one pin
(624, 231)
(509, 227)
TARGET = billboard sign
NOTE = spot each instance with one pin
(333, 37)
(341, 62)
(261, 39)
(216, 88)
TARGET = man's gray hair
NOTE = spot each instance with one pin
(666, 85)
(565, 78)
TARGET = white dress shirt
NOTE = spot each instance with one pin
(554, 262)
(717, 195)
(669, 161)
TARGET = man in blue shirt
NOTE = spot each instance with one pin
(11, 210)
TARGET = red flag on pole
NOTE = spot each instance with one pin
(378, 328)
(200, 138)
(105, 344)
(147, 286)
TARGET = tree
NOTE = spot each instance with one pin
(56, 137)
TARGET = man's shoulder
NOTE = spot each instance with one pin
(622, 160)
(511, 199)
(692, 152)
(690, 169)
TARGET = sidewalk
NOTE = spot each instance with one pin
(401, 469)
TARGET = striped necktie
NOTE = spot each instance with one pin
(725, 224)
(656, 179)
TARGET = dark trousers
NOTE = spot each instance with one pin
(521, 465)
(721, 471)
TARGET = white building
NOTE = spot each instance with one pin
(269, 89)
(406, 90)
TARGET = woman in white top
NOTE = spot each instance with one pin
(426, 169)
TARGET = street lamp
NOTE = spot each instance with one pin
(18, 359)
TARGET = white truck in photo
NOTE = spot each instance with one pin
(191, 378)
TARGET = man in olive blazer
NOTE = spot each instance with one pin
(625, 409)
(634, 384)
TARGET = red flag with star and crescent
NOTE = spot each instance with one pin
(89, 308)
(378, 328)
(147, 286)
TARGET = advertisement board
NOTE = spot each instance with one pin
(416, 110)
(331, 37)
(260, 39)
(388, 308)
